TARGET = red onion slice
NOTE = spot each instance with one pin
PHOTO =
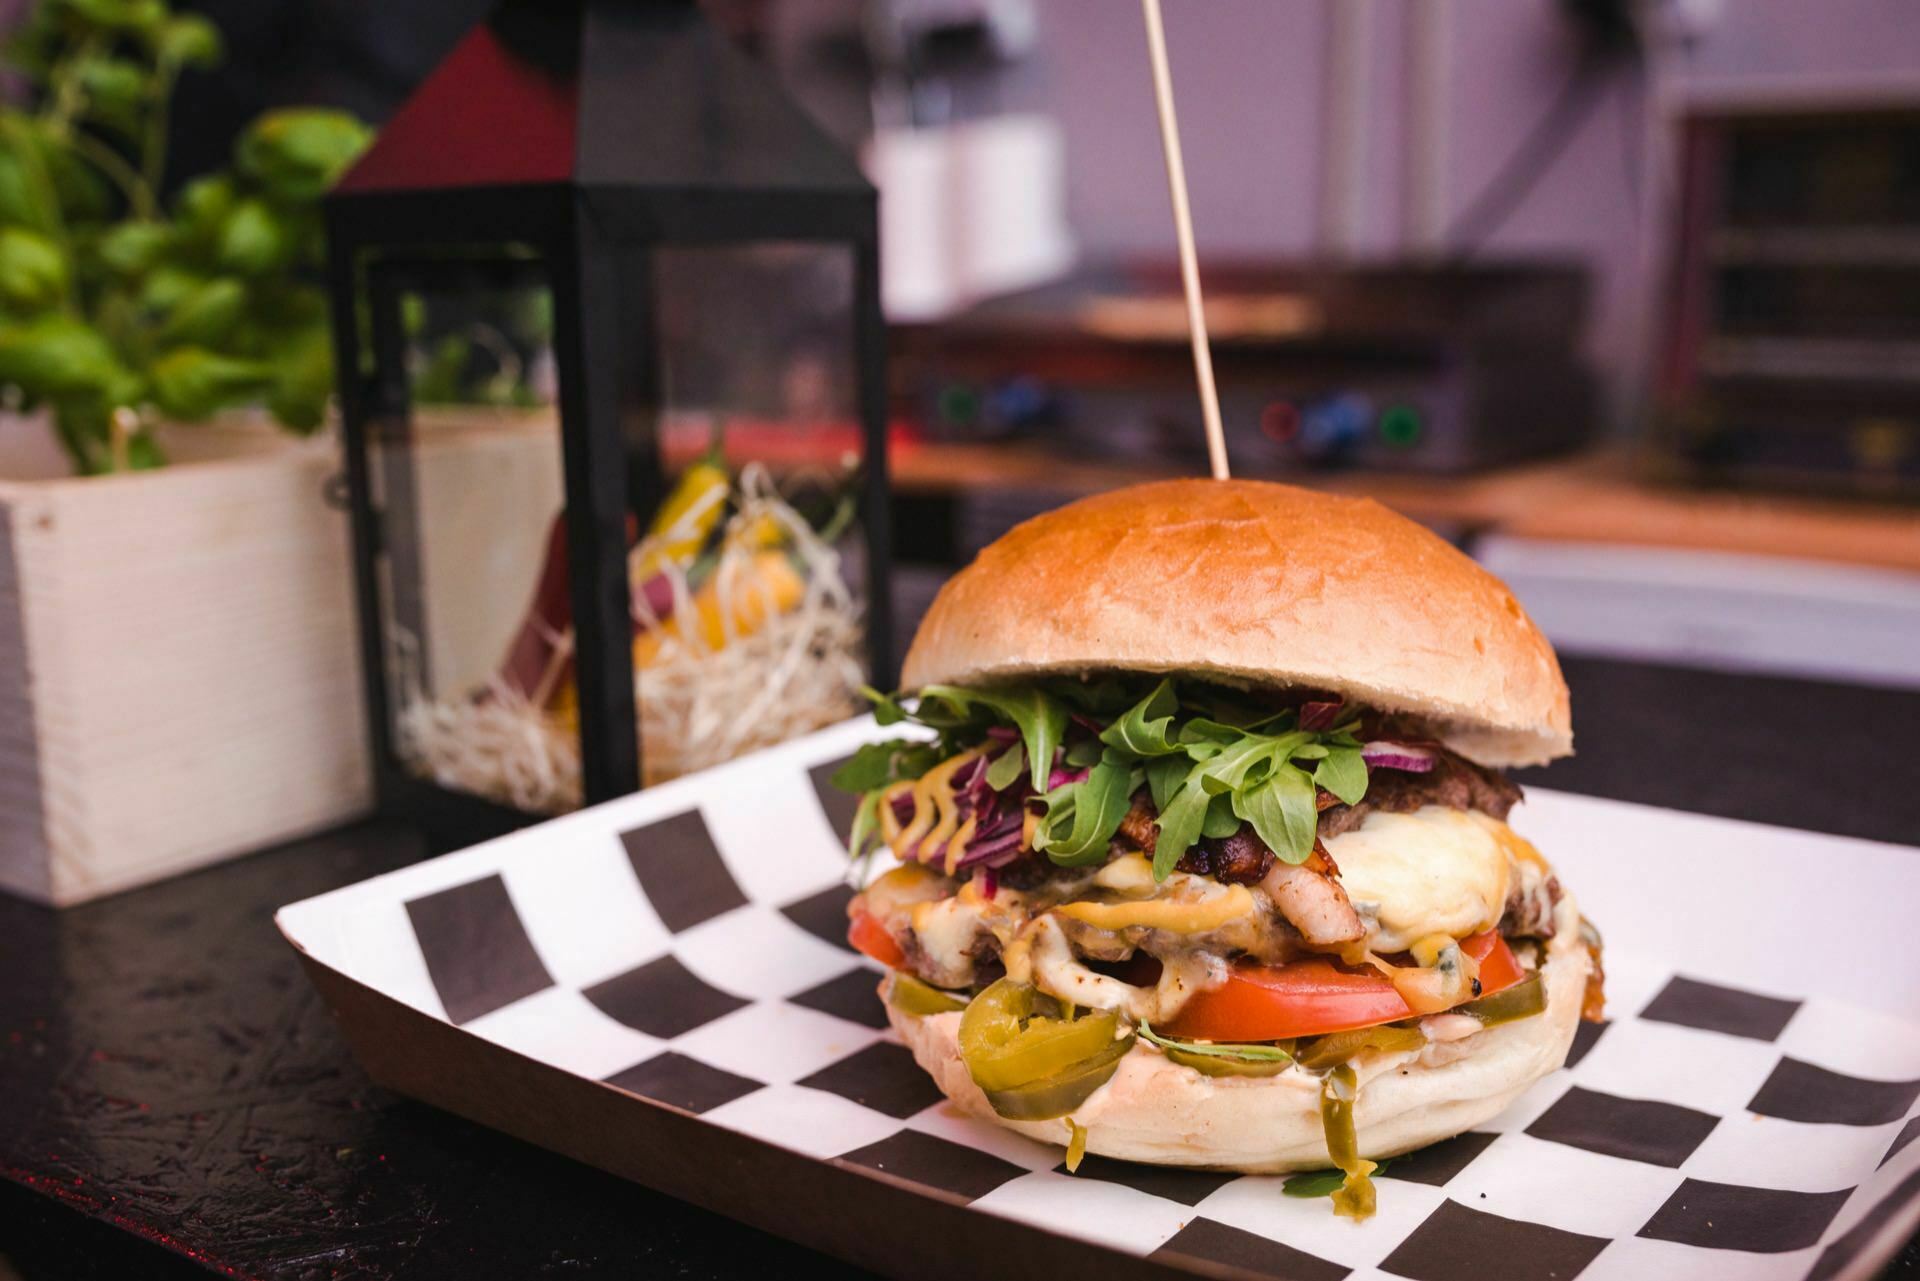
(1381, 754)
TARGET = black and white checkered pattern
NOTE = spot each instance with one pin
(686, 946)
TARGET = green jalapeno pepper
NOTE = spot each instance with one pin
(1338, 1047)
(1521, 1001)
(1029, 1063)
(910, 996)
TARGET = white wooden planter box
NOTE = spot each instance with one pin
(179, 680)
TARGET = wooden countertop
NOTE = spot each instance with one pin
(1594, 498)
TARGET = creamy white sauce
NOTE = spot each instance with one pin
(1044, 955)
(1434, 871)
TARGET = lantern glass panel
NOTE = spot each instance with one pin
(466, 464)
(755, 356)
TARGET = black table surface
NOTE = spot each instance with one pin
(174, 1098)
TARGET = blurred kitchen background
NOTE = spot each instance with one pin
(1621, 295)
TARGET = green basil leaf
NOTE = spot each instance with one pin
(297, 152)
(189, 40)
(1082, 817)
(1007, 766)
(207, 315)
(255, 239)
(1343, 773)
(34, 271)
(55, 354)
(132, 247)
(191, 382)
(1143, 730)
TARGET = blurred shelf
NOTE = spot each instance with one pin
(1594, 498)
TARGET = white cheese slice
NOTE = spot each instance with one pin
(1434, 871)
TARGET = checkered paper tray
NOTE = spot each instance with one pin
(659, 986)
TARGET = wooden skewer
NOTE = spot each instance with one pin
(1183, 228)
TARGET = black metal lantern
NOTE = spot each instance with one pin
(606, 205)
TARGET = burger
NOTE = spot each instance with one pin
(1199, 854)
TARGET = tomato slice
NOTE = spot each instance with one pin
(1316, 996)
(1275, 1002)
(1498, 968)
(869, 936)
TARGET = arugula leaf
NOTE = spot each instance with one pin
(1282, 811)
(1007, 766)
(1181, 819)
(1343, 773)
(1041, 719)
(886, 707)
(1220, 822)
(1164, 778)
(865, 819)
(1083, 753)
(1325, 1182)
(1201, 730)
(1221, 1050)
(1082, 817)
(877, 764)
(1102, 699)
(1143, 730)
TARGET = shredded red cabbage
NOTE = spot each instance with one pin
(1062, 775)
(1319, 716)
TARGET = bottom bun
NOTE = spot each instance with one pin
(1157, 1111)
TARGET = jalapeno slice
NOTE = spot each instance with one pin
(1338, 1091)
(909, 995)
(1060, 1094)
(1521, 1001)
(1339, 1047)
(1029, 1063)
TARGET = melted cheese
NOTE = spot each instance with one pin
(1434, 871)
(946, 930)
(1128, 874)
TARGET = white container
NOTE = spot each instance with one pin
(179, 679)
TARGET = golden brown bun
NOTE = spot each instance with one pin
(1256, 583)
(1159, 1112)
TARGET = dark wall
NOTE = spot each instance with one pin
(364, 55)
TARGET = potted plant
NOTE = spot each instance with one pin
(176, 653)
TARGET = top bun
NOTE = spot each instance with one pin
(1254, 583)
